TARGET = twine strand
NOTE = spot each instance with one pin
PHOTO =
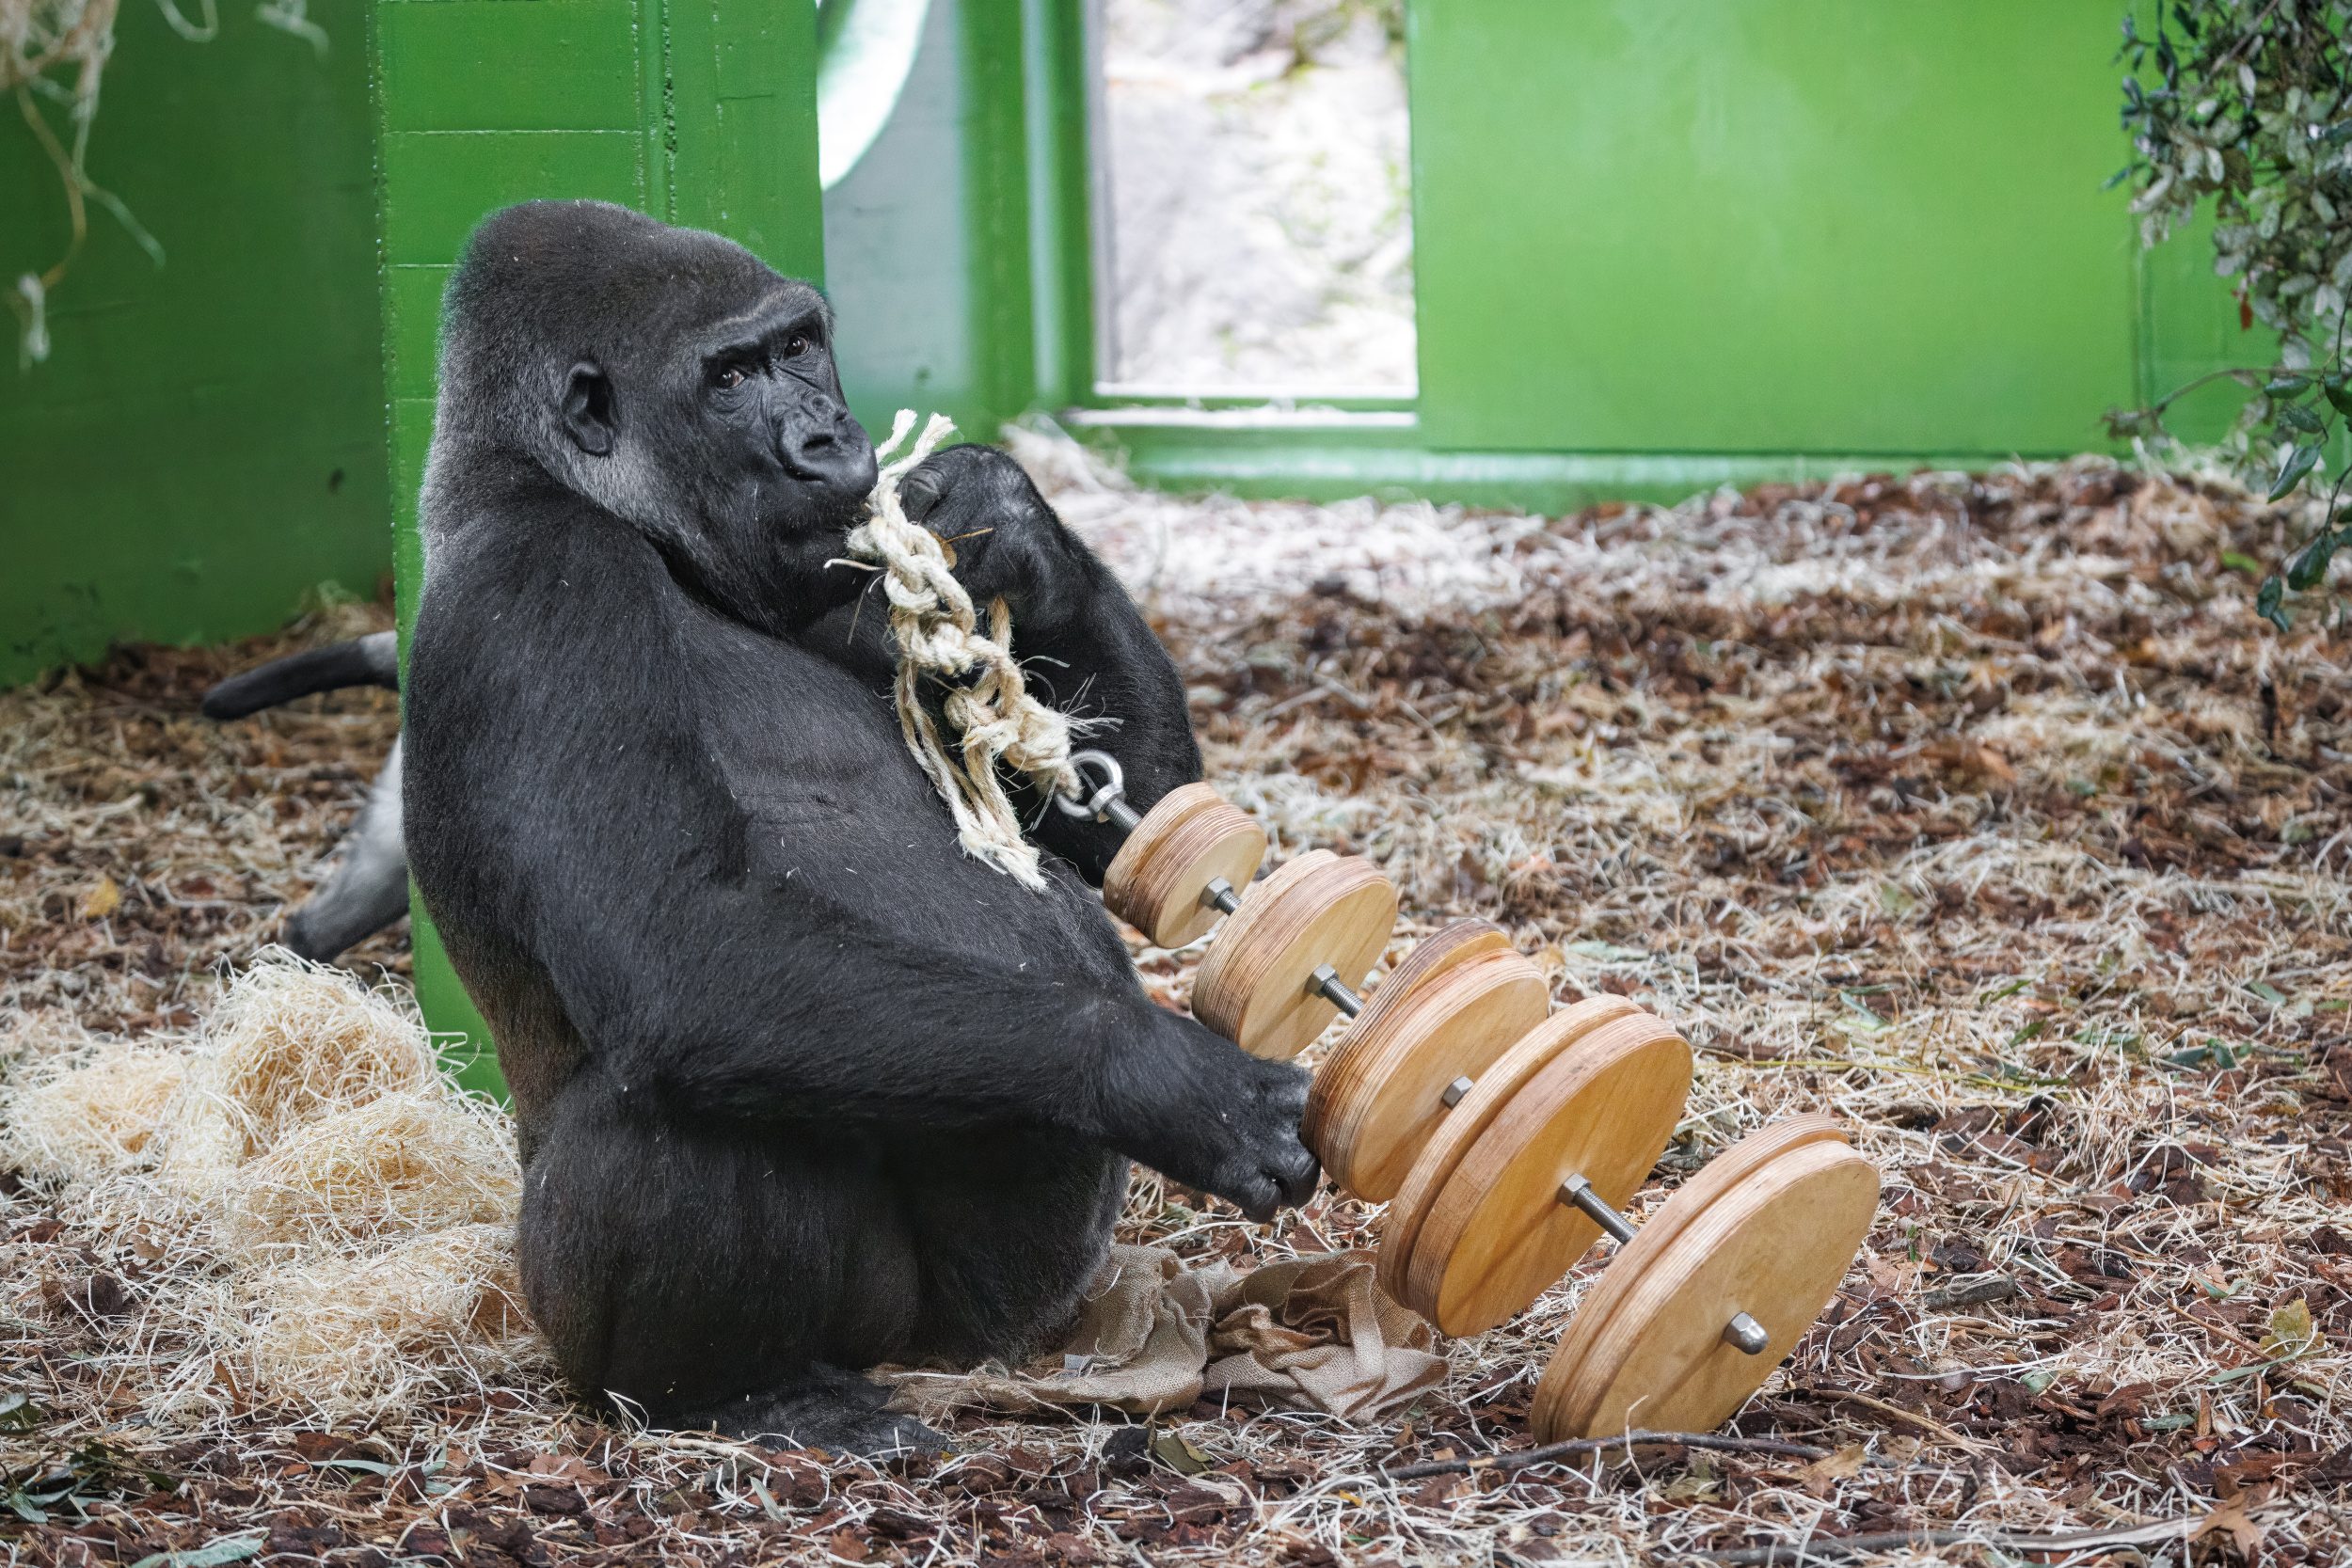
(988, 705)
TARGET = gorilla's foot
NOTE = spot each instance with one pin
(829, 1409)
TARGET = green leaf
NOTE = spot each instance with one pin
(18, 1413)
(2268, 992)
(2307, 566)
(2299, 461)
(2267, 603)
(1170, 1449)
(2031, 1029)
(2237, 562)
(2286, 385)
(372, 1467)
(2339, 395)
(2008, 990)
(229, 1549)
(1871, 1022)
(2294, 416)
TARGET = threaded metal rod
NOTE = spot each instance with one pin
(1578, 1194)
(1220, 896)
(1325, 982)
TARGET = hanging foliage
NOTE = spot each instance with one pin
(2248, 104)
(52, 55)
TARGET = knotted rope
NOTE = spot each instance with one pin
(988, 705)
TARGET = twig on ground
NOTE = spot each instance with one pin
(1577, 1445)
(1826, 1548)
(1973, 1291)
(1896, 1413)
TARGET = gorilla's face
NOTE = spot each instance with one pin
(671, 378)
(740, 413)
(768, 391)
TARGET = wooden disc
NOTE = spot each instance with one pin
(1184, 843)
(1725, 1173)
(1319, 908)
(1498, 1235)
(1385, 1092)
(1451, 1139)
(1774, 1246)
(1431, 957)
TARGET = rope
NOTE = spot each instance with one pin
(988, 706)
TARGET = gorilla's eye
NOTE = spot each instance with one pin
(796, 345)
(728, 377)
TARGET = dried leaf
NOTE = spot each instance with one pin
(102, 900)
(2231, 1520)
(1822, 1475)
(2292, 1330)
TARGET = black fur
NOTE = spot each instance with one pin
(801, 1086)
(370, 660)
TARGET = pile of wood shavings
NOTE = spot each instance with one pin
(1977, 809)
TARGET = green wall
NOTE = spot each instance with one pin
(699, 112)
(206, 440)
(1741, 226)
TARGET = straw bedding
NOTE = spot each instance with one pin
(1977, 809)
(344, 1214)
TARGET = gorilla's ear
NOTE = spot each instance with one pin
(588, 409)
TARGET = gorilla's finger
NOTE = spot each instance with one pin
(1259, 1200)
(920, 493)
(1297, 1177)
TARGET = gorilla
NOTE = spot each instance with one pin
(800, 1087)
(369, 887)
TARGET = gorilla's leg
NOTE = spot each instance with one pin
(1009, 1227)
(369, 889)
(715, 1276)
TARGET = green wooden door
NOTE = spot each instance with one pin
(702, 113)
(1761, 226)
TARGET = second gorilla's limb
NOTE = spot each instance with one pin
(368, 888)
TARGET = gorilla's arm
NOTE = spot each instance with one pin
(745, 897)
(735, 1006)
(1084, 647)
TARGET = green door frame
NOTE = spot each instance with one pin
(2167, 311)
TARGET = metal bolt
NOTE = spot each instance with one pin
(1745, 1335)
(1454, 1091)
(1325, 982)
(1220, 896)
(1578, 1194)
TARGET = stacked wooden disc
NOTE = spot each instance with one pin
(1191, 839)
(1769, 1228)
(1481, 1231)
(1459, 1098)
(1319, 908)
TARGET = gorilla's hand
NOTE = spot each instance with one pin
(1198, 1108)
(1006, 540)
